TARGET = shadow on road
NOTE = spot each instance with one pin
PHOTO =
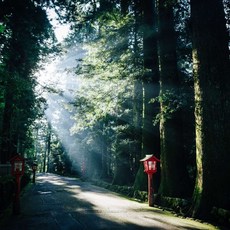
(64, 203)
(54, 203)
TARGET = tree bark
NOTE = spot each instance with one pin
(137, 122)
(174, 176)
(140, 182)
(212, 106)
(150, 133)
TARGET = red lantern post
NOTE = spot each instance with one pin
(17, 170)
(150, 167)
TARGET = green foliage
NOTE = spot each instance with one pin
(177, 205)
(26, 39)
(124, 190)
(104, 100)
(58, 162)
(1, 28)
(172, 103)
(141, 195)
(103, 70)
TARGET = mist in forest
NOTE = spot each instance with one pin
(58, 83)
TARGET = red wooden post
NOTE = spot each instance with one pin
(16, 203)
(17, 170)
(150, 189)
(150, 167)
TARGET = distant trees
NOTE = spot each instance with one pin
(48, 152)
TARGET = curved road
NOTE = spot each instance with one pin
(64, 203)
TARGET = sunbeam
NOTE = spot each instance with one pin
(60, 82)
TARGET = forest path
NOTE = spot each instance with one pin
(63, 203)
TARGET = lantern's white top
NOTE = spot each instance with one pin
(149, 157)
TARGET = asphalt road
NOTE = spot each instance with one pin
(63, 203)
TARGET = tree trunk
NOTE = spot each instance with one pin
(140, 182)
(150, 133)
(174, 176)
(122, 167)
(48, 147)
(137, 123)
(104, 153)
(212, 106)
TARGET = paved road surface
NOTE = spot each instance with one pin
(62, 203)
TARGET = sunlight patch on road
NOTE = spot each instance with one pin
(44, 192)
(73, 187)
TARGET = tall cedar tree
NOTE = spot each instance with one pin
(140, 182)
(150, 133)
(174, 176)
(212, 106)
(150, 84)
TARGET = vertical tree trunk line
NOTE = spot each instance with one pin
(150, 80)
(212, 109)
(140, 182)
(174, 176)
(150, 133)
